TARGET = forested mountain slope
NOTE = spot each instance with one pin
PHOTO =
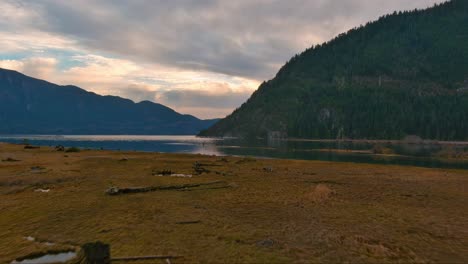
(404, 74)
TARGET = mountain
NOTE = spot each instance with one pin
(32, 106)
(404, 74)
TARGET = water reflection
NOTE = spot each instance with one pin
(49, 258)
(363, 152)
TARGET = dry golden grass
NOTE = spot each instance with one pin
(276, 211)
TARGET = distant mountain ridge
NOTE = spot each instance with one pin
(33, 106)
(404, 74)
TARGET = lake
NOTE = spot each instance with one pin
(341, 151)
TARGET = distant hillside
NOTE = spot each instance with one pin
(405, 74)
(32, 106)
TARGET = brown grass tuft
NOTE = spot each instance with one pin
(320, 193)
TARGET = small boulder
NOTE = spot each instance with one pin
(59, 148)
(268, 243)
(113, 191)
(97, 252)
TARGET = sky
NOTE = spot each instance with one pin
(199, 57)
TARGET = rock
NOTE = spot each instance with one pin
(37, 169)
(113, 191)
(94, 253)
(266, 243)
(59, 148)
(197, 167)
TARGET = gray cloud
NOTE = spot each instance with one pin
(242, 38)
(135, 93)
(38, 67)
(205, 103)
(181, 98)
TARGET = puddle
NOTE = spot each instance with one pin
(42, 190)
(49, 258)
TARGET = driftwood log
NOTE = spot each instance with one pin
(145, 258)
(188, 222)
(99, 253)
(182, 187)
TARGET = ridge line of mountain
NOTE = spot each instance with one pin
(33, 106)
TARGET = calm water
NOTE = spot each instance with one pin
(50, 258)
(418, 155)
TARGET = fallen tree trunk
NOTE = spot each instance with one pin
(120, 191)
(188, 222)
(145, 258)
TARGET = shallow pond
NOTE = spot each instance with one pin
(49, 258)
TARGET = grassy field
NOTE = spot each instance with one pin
(271, 211)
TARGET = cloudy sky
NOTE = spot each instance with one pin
(202, 57)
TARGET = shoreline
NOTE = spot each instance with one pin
(292, 139)
(360, 156)
(377, 141)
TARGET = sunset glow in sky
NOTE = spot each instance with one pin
(199, 57)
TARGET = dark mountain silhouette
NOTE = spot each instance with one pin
(32, 106)
(404, 74)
